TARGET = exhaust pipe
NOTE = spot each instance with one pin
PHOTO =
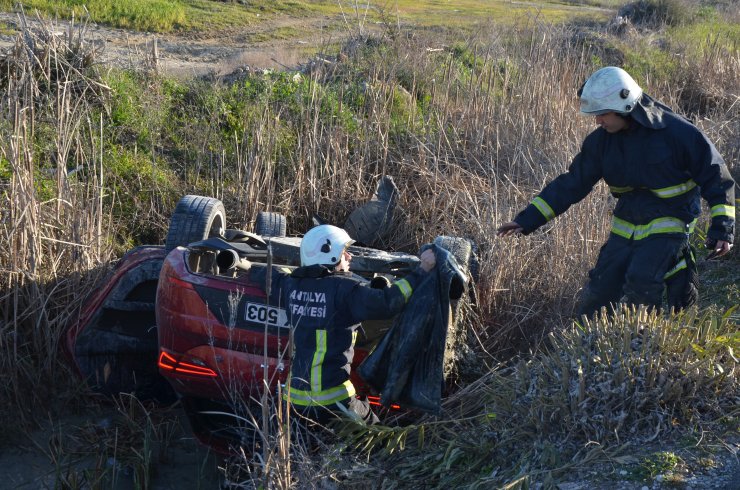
(227, 260)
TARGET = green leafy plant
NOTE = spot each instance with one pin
(657, 464)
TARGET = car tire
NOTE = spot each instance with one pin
(195, 218)
(458, 342)
(270, 224)
(460, 248)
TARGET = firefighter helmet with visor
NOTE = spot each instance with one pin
(610, 89)
(324, 245)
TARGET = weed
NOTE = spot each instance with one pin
(122, 449)
(658, 463)
(628, 372)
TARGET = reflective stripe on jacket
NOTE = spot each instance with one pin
(325, 309)
(657, 174)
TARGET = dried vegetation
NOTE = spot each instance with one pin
(469, 130)
(598, 392)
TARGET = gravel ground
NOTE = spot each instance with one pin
(696, 471)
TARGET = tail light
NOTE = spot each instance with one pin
(174, 363)
(375, 400)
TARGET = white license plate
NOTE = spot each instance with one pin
(259, 313)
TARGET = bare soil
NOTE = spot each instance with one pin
(187, 55)
(55, 456)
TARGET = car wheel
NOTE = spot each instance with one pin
(195, 218)
(458, 346)
(270, 224)
(460, 248)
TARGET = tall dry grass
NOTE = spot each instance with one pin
(54, 236)
(481, 142)
(600, 392)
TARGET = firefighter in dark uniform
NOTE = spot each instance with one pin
(325, 305)
(657, 164)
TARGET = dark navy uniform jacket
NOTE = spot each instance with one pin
(325, 309)
(657, 169)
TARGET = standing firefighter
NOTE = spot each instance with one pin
(656, 164)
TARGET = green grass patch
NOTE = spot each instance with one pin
(658, 464)
(165, 15)
(281, 33)
(143, 15)
(646, 62)
(209, 15)
(468, 13)
(6, 29)
(711, 32)
(141, 108)
(5, 171)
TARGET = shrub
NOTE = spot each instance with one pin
(657, 13)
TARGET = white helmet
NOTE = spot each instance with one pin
(609, 89)
(324, 245)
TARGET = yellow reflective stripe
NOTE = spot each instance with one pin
(544, 208)
(660, 225)
(318, 360)
(664, 192)
(622, 228)
(680, 266)
(723, 210)
(674, 190)
(405, 288)
(324, 397)
(626, 229)
(620, 190)
(354, 337)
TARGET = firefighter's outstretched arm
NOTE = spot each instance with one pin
(372, 304)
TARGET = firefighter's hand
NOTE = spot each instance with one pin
(719, 248)
(510, 228)
(428, 260)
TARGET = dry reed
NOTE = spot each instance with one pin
(485, 141)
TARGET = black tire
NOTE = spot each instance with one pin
(195, 218)
(458, 344)
(460, 248)
(270, 224)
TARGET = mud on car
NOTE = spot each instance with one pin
(184, 321)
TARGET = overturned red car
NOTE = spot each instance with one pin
(184, 321)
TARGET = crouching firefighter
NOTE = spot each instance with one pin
(325, 304)
(657, 164)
